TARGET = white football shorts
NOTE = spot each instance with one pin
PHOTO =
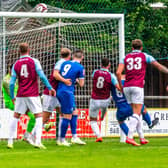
(50, 103)
(32, 104)
(96, 105)
(134, 95)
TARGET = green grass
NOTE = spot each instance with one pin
(109, 154)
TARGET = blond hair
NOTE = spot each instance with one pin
(23, 48)
(65, 52)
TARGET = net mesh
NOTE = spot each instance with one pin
(97, 38)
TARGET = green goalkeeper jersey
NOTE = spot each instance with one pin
(6, 92)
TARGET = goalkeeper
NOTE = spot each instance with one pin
(9, 104)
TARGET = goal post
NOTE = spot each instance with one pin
(98, 35)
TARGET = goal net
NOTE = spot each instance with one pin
(98, 35)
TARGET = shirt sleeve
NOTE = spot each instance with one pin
(149, 58)
(13, 73)
(114, 80)
(12, 82)
(82, 73)
(37, 65)
(58, 65)
(12, 86)
(93, 73)
(121, 61)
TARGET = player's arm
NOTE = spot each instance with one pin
(115, 82)
(44, 78)
(12, 84)
(156, 64)
(119, 71)
(58, 77)
(81, 78)
(5, 85)
(160, 67)
(80, 82)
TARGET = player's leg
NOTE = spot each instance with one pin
(93, 113)
(49, 104)
(140, 133)
(48, 108)
(66, 100)
(135, 97)
(104, 105)
(13, 129)
(31, 123)
(124, 111)
(147, 118)
(46, 116)
(34, 104)
(20, 108)
(73, 125)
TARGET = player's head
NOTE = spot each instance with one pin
(105, 63)
(78, 54)
(24, 48)
(137, 44)
(66, 53)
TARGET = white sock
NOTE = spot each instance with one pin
(59, 129)
(95, 128)
(12, 130)
(122, 136)
(139, 128)
(34, 132)
(74, 135)
(38, 129)
(132, 124)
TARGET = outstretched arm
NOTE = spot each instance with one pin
(160, 67)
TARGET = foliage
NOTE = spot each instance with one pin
(141, 21)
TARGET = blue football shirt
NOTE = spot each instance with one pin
(71, 70)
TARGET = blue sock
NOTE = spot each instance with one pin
(73, 124)
(147, 118)
(64, 127)
(124, 128)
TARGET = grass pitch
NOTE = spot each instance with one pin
(108, 154)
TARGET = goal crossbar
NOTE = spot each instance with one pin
(60, 15)
(100, 16)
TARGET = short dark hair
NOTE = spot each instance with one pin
(105, 62)
(78, 53)
(137, 44)
(23, 48)
(65, 52)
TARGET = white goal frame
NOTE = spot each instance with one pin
(120, 17)
(3, 16)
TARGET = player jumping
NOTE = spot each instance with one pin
(135, 64)
(100, 98)
(124, 111)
